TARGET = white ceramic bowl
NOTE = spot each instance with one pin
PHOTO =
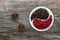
(50, 13)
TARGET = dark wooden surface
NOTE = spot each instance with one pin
(8, 27)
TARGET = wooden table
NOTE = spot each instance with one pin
(8, 27)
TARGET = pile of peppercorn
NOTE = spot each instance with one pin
(40, 13)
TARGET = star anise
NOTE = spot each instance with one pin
(21, 27)
(15, 14)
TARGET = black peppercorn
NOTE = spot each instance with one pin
(40, 13)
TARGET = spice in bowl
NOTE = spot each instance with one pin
(38, 16)
(40, 13)
(42, 24)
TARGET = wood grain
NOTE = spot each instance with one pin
(8, 27)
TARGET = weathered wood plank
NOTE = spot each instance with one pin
(24, 8)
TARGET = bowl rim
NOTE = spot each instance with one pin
(50, 13)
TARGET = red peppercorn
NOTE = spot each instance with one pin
(39, 24)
